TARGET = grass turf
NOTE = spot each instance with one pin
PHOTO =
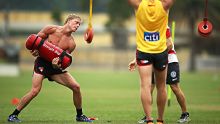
(111, 96)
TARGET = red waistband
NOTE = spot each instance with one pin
(171, 52)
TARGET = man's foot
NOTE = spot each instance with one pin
(184, 118)
(149, 122)
(13, 118)
(82, 118)
(143, 120)
(159, 121)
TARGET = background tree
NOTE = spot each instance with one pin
(119, 11)
(56, 12)
(192, 11)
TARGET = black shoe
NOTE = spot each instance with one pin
(13, 118)
(82, 118)
(184, 118)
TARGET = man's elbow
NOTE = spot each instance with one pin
(170, 3)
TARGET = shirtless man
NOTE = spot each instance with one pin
(62, 38)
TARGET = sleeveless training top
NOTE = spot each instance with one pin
(151, 25)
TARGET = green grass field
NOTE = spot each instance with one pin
(111, 96)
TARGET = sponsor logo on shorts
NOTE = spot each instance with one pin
(151, 36)
(173, 74)
(144, 61)
(41, 69)
(174, 79)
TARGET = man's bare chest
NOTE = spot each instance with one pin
(60, 41)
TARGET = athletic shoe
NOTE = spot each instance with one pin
(150, 122)
(159, 121)
(184, 118)
(82, 118)
(13, 118)
(143, 120)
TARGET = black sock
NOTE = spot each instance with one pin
(16, 112)
(186, 113)
(79, 112)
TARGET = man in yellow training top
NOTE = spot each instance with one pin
(151, 53)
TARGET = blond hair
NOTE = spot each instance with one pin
(71, 17)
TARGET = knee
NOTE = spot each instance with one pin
(161, 87)
(75, 88)
(161, 90)
(174, 88)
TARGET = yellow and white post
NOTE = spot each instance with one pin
(169, 93)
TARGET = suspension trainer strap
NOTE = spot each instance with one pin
(90, 14)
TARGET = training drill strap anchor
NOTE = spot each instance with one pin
(88, 36)
(205, 26)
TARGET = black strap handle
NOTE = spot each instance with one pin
(64, 53)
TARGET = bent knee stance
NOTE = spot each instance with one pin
(75, 88)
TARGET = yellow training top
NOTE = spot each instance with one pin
(151, 25)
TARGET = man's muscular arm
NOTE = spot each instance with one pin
(46, 31)
(167, 4)
(134, 3)
(43, 34)
(71, 45)
(169, 43)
